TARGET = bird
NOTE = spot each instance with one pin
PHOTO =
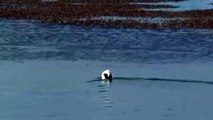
(106, 75)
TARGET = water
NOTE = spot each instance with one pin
(51, 72)
(55, 42)
(187, 5)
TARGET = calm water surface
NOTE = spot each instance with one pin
(51, 72)
(187, 5)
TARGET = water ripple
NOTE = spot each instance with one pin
(164, 79)
(64, 42)
(152, 79)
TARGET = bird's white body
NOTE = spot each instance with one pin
(106, 75)
(105, 72)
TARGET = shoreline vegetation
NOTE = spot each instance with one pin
(107, 13)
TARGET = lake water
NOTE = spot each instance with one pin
(187, 5)
(52, 72)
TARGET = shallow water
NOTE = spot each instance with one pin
(188, 5)
(51, 72)
(193, 5)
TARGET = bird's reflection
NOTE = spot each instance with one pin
(105, 90)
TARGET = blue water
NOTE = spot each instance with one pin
(52, 72)
(187, 5)
(22, 40)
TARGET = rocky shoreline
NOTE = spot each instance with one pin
(83, 13)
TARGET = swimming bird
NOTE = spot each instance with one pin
(106, 75)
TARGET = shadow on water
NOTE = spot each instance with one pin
(156, 79)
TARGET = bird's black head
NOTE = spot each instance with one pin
(108, 77)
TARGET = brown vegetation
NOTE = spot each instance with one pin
(67, 12)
